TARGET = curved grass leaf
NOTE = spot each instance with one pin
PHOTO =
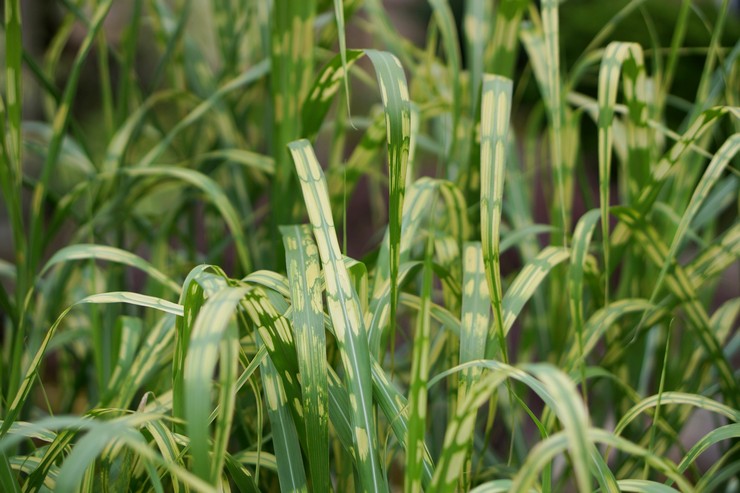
(681, 287)
(496, 486)
(599, 323)
(660, 172)
(475, 315)
(279, 371)
(111, 254)
(418, 399)
(555, 444)
(572, 413)
(344, 309)
(524, 286)
(459, 433)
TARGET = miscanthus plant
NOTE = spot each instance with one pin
(551, 307)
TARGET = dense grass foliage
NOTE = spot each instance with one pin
(545, 290)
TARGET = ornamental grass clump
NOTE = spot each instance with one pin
(280, 247)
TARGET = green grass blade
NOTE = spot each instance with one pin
(721, 160)
(417, 422)
(380, 306)
(716, 257)
(292, 55)
(110, 254)
(660, 172)
(284, 406)
(320, 96)
(543, 47)
(344, 309)
(242, 477)
(495, 115)
(416, 207)
(581, 241)
(13, 85)
(496, 486)
(130, 329)
(476, 22)
(30, 375)
(545, 451)
(11, 170)
(502, 50)
(474, 320)
(250, 76)
(7, 478)
(459, 433)
(210, 335)
(342, 36)
(304, 272)
(121, 139)
(597, 325)
(167, 444)
(680, 285)
(524, 286)
(192, 299)
(395, 407)
(61, 120)
(216, 196)
(626, 57)
(285, 436)
(643, 486)
(573, 415)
